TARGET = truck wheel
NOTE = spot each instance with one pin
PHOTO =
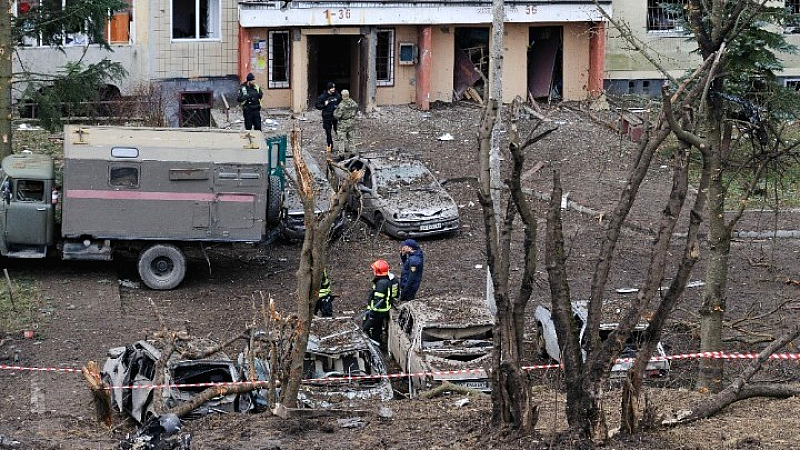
(274, 200)
(162, 266)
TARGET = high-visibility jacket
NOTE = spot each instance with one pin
(385, 290)
(325, 286)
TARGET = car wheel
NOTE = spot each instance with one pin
(162, 266)
(541, 346)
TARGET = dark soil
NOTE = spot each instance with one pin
(88, 312)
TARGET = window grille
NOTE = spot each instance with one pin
(279, 59)
(384, 58)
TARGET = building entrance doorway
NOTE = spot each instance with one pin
(333, 58)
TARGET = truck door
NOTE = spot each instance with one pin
(29, 213)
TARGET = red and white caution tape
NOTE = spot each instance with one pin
(478, 371)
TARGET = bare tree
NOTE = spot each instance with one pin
(313, 259)
(511, 394)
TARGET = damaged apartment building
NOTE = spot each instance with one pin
(385, 52)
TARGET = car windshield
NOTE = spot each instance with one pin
(405, 177)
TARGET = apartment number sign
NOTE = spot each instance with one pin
(343, 13)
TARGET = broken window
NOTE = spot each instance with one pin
(195, 19)
(793, 21)
(30, 190)
(466, 337)
(384, 59)
(792, 83)
(118, 28)
(665, 15)
(55, 26)
(123, 177)
(278, 59)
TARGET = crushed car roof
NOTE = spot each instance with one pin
(452, 311)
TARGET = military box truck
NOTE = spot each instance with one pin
(158, 192)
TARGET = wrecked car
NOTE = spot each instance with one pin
(293, 227)
(400, 196)
(547, 342)
(337, 349)
(135, 366)
(431, 336)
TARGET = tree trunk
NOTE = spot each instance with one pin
(313, 260)
(6, 49)
(712, 309)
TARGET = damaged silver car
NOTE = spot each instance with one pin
(400, 196)
(342, 366)
(294, 227)
(134, 366)
(433, 336)
(547, 342)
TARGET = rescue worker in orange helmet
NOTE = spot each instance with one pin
(384, 292)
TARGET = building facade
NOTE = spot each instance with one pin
(656, 27)
(385, 52)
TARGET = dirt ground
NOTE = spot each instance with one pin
(87, 311)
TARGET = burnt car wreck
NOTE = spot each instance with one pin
(400, 196)
(341, 368)
(443, 339)
(547, 342)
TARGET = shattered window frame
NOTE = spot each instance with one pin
(660, 19)
(206, 15)
(114, 27)
(279, 59)
(384, 57)
(123, 176)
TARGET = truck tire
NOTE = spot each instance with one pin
(162, 266)
(274, 201)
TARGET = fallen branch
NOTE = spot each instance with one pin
(213, 392)
(739, 389)
(447, 386)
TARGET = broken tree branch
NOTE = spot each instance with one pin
(739, 390)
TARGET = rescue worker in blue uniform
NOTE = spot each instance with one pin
(413, 266)
(324, 306)
(380, 299)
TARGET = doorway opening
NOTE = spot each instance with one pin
(471, 61)
(333, 58)
(545, 63)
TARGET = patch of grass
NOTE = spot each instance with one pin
(27, 308)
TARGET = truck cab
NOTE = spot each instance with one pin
(27, 219)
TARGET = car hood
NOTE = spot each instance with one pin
(420, 205)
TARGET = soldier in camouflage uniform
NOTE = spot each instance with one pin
(345, 114)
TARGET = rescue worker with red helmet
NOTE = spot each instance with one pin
(385, 290)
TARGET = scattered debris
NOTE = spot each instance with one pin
(385, 412)
(354, 422)
(446, 137)
(159, 433)
(692, 284)
(461, 403)
(9, 443)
